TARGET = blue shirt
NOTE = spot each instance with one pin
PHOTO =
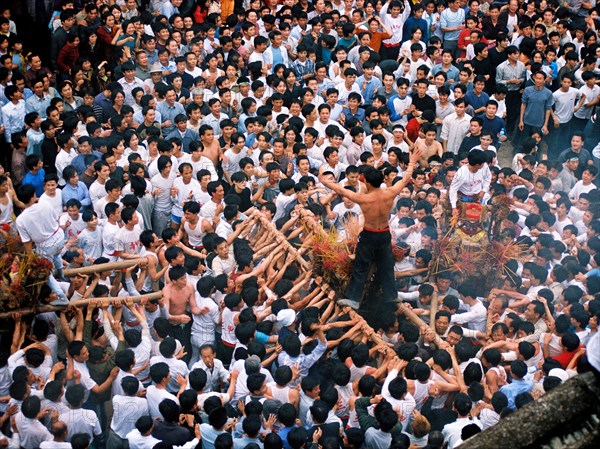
(359, 115)
(241, 127)
(277, 57)
(451, 19)
(475, 101)
(494, 126)
(411, 23)
(513, 389)
(37, 104)
(283, 433)
(186, 138)
(326, 55)
(36, 181)
(79, 193)
(152, 57)
(451, 73)
(104, 102)
(79, 163)
(169, 113)
(368, 92)
(537, 103)
(250, 140)
(35, 142)
(13, 116)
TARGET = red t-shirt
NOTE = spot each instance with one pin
(565, 358)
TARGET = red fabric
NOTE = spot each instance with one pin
(464, 39)
(565, 358)
(199, 15)
(412, 129)
(105, 36)
(67, 58)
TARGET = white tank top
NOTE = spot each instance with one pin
(501, 373)
(533, 361)
(353, 420)
(280, 394)
(357, 373)
(228, 326)
(6, 211)
(421, 393)
(195, 235)
(439, 401)
(344, 395)
(148, 282)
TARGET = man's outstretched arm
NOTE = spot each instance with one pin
(415, 155)
(328, 180)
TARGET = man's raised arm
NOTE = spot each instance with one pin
(328, 180)
(406, 176)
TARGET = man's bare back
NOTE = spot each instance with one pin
(376, 206)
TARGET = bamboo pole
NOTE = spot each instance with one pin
(117, 299)
(434, 307)
(30, 311)
(81, 303)
(415, 319)
(109, 266)
(279, 238)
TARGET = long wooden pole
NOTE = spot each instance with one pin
(80, 303)
(117, 299)
(109, 266)
(415, 319)
(434, 307)
(279, 238)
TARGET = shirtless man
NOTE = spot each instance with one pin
(152, 245)
(212, 150)
(374, 244)
(176, 295)
(428, 146)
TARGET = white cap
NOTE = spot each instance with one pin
(560, 373)
(286, 317)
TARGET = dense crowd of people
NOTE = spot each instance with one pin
(193, 137)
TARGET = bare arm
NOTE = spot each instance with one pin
(329, 181)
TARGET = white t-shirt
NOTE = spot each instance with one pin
(86, 379)
(176, 367)
(129, 240)
(97, 191)
(38, 223)
(55, 201)
(75, 228)
(127, 410)
(579, 188)
(204, 164)
(590, 95)
(100, 205)
(81, 421)
(109, 231)
(63, 159)
(186, 192)
(341, 209)
(155, 396)
(281, 203)
(162, 201)
(564, 103)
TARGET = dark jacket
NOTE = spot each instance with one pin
(172, 433)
